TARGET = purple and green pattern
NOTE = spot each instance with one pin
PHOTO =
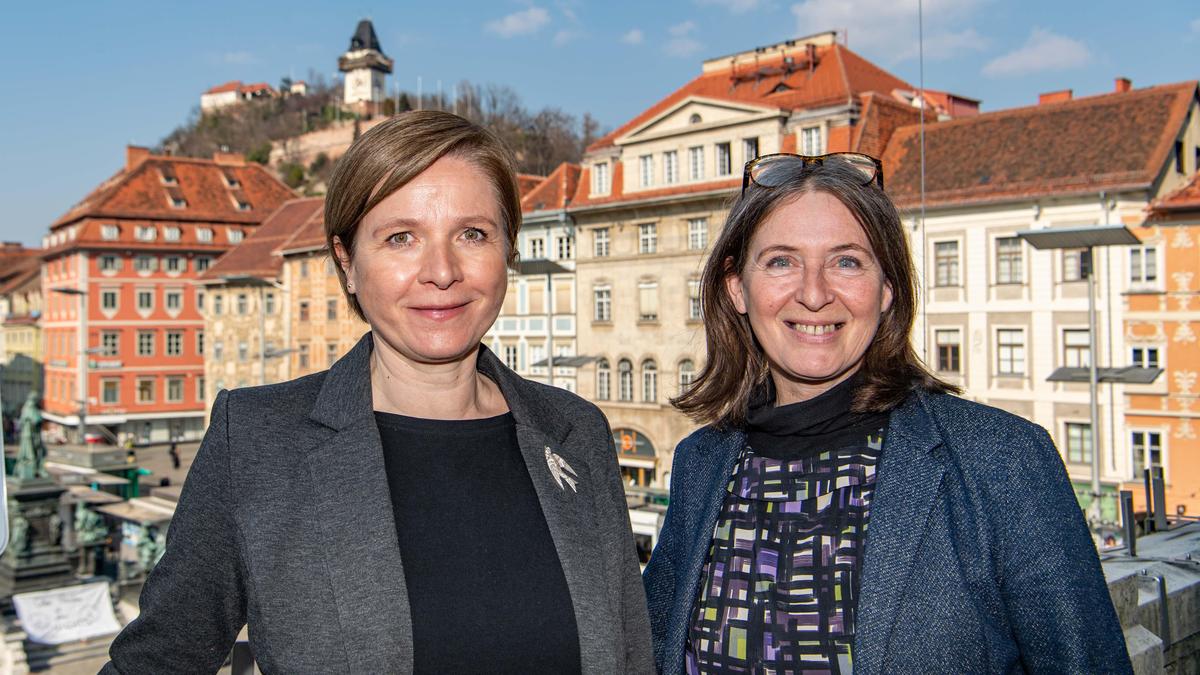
(780, 587)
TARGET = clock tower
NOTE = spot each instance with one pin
(365, 66)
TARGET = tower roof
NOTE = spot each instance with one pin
(365, 38)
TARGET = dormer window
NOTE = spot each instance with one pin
(231, 181)
(168, 175)
(146, 233)
(242, 205)
(235, 236)
(110, 232)
(601, 182)
(178, 202)
(204, 235)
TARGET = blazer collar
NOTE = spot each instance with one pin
(908, 483)
(345, 395)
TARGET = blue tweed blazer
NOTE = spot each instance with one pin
(977, 559)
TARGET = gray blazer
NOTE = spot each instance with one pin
(285, 523)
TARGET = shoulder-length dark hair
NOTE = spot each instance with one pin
(736, 365)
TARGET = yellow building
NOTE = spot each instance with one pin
(20, 332)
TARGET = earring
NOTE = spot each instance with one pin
(349, 285)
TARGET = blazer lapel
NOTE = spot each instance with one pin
(907, 485)
(355, 525)
(562, 480)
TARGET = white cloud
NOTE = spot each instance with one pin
(1043, 51)
(525, 22)
(682, 44)
(564, 37)
(734, 6)
(888, 29)
(633, 37)
(1196, 26)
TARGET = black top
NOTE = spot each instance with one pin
(798, 430)
(484, 581)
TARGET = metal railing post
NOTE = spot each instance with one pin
(1127, 523)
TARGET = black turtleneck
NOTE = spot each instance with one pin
(798, 430)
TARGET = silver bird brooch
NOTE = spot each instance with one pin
(561, 471)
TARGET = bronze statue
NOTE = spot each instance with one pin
(31, 454)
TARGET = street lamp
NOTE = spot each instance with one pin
(261, 283)
(82, 389)
(1088, 239)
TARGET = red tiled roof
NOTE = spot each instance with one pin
(138, 191)
(232, 85)
(881, 116)
(555, 192)
(257, 86)
(309, 236)
(1110, 141)
(18, 267)
(837, 76)
(1186, 198)
(527, 182)
(256, 255)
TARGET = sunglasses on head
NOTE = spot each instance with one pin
(771, 171)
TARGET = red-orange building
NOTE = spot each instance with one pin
(127, 255)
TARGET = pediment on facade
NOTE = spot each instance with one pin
(696, 113)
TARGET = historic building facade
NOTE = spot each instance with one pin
(123, 332)
(20, 332)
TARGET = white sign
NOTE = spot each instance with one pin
(67, 614)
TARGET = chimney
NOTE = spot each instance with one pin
(134, 155)
(1054, 97)
(1123, 84)
(229, 159)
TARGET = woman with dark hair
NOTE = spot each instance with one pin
(842, 510)
(418, 507)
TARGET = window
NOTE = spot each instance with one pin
(234, 235)
(537, 248)
(564, 247)
(303, 269)
(200, 299)
(145, 232)
(304, 310)
(218, 304)
(1079, 443)
(203, 264)
(302, 356)
(110, 343)
(204, 235)
(200, 342)
(1147, 451)
(145, 300)
(218, 349)
(511, 355)
(695, 119)
(145, 263)
(110, 391)
(670, 167)
(174, 390)
(648, 301)
(695, 308)
(108, 300)
(242, 204)
(600, 242)
(602, 303)
(174, 343)
(1074, 264)
(749, 149)
(697, 233)
(1144, 357)
(241, 304)
(269, 303)
(110, 263)
(696, 163)
(625, 380)
(1008, 260)
(145, 343)
(331, 309)
(1179, 168)
(948, 346)
(171, 233)
(1010, 351)
(810, 141)
(946, 263)
(646, 170)
(174, 264)
(174, 300)
(201, 394)
(647, 238)
(600, 178)
(243, 350)
(110, 232)
(724, 160)
(168, 175)
(687, 375)
(145, 390)
(603, 380)
(649, 381)
(1143, 265)
(331, 353)
(1077, 352)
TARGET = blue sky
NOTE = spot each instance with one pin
(81, 80)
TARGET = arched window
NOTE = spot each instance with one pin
(624, 380)
(694, 119)
(687, 374)
(603, 380)
(649, 381)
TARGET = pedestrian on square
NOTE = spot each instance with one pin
(418, 507)
(173, 451)
(842, 510)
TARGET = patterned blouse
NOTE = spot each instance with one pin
(780, 587)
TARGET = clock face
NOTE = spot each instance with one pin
(357, 81)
